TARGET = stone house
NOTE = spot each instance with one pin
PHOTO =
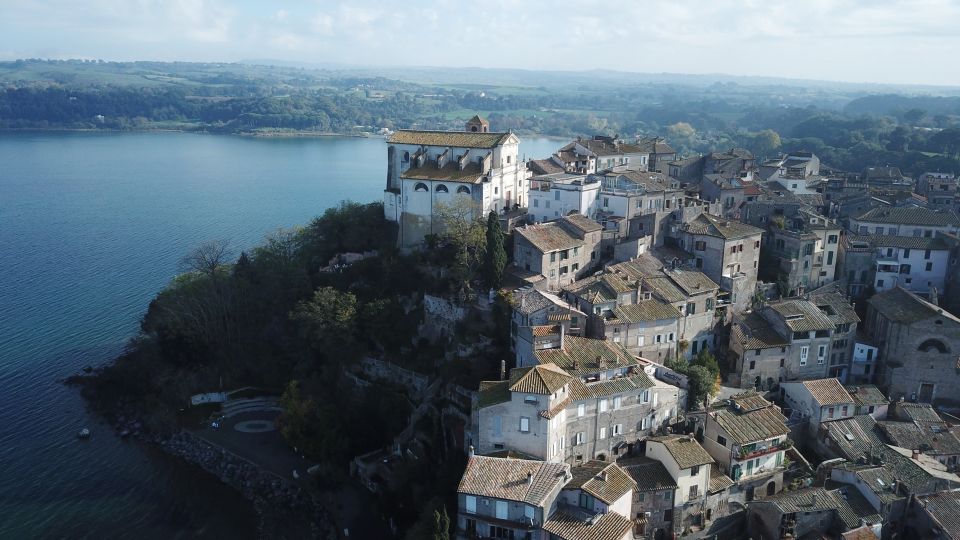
(689, 465)
(562, 251)
(727, 251)
(812, 512)
(532, 307)
(653, 497)
(584, 399)
(805, 250)
(817, 401)
(748, 439)
(426, 169)
(783, 341)
(868, 399)
(660, 153)
(905, 221)
(918, 342)
(728, 192)
(856, 265)
(836, 304)
(937, 517)
(604, 153)
(648, 308)
(507, 498)
(522, 498)
(939, 188)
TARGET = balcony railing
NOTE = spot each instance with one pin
(757, 452)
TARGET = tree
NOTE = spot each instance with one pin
(328, 318)
(700, 383)
(208, 258)
(496, 256)
(465, 232)
(766, 142)
(441, 526)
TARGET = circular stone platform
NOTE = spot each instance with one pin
(254, 426)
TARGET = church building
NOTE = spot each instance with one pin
(428, 168)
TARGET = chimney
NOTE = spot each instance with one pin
(934, 298)
(529, 478)
(602, 476)
(576, 365)
(470, 451)
(561, 335)
(601, 362)
(503, 370)
(813, 500)
(915, 454)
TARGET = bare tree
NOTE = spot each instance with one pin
(207, 258)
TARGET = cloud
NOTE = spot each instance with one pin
(827, 39)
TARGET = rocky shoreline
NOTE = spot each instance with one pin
(284, 509)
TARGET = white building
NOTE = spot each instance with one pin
(556, 195)
(821, 400)
(905, 221)
(426, 169)
(915, 264)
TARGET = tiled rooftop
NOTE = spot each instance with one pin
(602, 479)
(685, 450)
(455, 139)
(507, 479)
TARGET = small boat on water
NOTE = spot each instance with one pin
(83, 434)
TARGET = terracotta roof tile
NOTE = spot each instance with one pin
(649, 474)
(544, 379)
(502, 478)
(685, 450)
(828, 391)
(610, 526)
(455, 139)
(548, 237)
(602, 479)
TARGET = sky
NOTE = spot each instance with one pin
(883, 41)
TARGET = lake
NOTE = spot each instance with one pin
(92, 226)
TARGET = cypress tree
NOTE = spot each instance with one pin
(496, 259)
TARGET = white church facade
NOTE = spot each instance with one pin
(428, 168)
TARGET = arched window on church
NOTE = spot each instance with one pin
(940, 346)
(421, 187)
(442, 189)
(406, 157)
(463, 190)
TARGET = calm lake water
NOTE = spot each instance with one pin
(91, 228)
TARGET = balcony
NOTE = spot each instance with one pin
(750, 453)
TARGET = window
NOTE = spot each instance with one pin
(756, 244)
(926, 254)
(929, 267)
(603, 405)
(553, 256)
(832, 239)
(640, 497)
(721, 440)
(803, 355)
(606, 202)
(733, 249)
(471, 504)
(528, 511)
(821, 354)
(640, 341)
(524, 424)
(740, 248)
(691, 308)
(906, 253)
(829, 258)
(464, 190)
(699, 245)
(843, 410)
(603, 433)
(616, 402)
(709, 304)
(587, 501)
(753, 365)
(421, 187)
(563, 270)
(670, 338)
(501, 510)
(645, 396)
(617, 430)
(830, 412)
(693, 492)
(530, 400)
(756, 352)
(879, 283)
(536, 203)
(497, 426)
(575, 267)
(581, 409)
(659, 338)
(578, 438)
(695, 470)
(442, 189)
(782, 361)
(645, 422)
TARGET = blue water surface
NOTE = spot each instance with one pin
(91, 228)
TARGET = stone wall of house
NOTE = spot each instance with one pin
(907, 370)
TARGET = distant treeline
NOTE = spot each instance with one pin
(847, 128)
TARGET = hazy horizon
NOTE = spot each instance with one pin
(889, 42)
